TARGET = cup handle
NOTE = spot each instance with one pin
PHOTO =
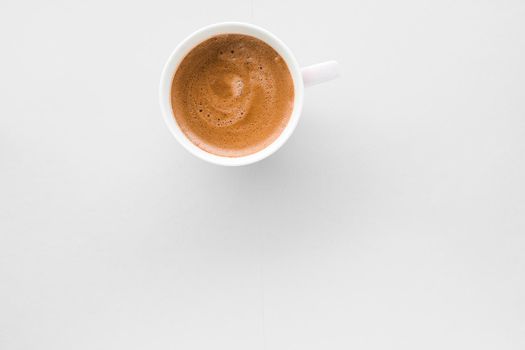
(320, 73)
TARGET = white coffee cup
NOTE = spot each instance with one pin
(302, 77)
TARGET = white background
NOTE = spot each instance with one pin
(394, 218)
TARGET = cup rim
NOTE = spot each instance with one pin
(198, 37)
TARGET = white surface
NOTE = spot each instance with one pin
(392, 219)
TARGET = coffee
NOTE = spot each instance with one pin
(232, 95)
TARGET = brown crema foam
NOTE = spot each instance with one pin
(232, 95)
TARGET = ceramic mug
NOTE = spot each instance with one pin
(302, 77)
